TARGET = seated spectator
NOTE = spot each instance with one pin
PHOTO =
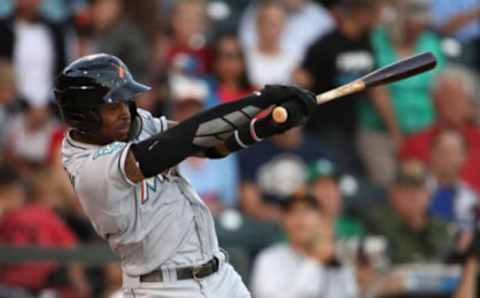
(35, 224)
(324, 185)
(216, 180)
(452, 200)
(305, 22)
(36, 48)
(187, 51)
(306, 266)
(454, 98)
(342, 55)
(405, 107)
(113, 33)
(33, 137)
(267, 62)
(412, 234)
(230, 79)
(273, 170)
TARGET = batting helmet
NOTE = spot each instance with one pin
(90, 81)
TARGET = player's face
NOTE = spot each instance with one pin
(116, 120)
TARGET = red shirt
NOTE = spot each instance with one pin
(418, 146)
(192, 61)
(227, 95)
(28, 226)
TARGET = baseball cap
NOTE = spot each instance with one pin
(411, 173)
(185, 89)
(322, 168)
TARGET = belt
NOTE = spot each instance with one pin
(194, 272)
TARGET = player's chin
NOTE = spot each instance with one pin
(121, 134)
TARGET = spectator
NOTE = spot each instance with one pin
(36, 224)
(32, 139)
(305, 22)
(215, 180)
(12, 192)
(230, 76)
(412, 235)
(405, 107)
(267, 62)
(36, 48)
(339, 57)
(452, 200)
(188, 51)
(324, 185)
(454, 94)
(274, 170)
(114, 34)
(306, 266)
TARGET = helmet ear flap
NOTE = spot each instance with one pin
(136, 126)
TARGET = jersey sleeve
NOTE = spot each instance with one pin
(152, 125)
(104, 190)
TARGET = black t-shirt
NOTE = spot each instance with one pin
(332, 61)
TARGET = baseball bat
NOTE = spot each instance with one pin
(388, 74)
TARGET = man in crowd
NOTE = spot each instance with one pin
(337, 58)
(452, 199)
(306, 266)
(412, 234)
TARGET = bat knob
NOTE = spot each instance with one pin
(279, 115)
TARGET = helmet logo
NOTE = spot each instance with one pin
(121, 71)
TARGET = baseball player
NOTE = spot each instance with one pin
(122, 164)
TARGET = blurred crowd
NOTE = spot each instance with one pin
(376, 196)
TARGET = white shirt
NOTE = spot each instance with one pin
(265, 69)
(281, 272)
(34, 62)
(159, 223)
(302, 28)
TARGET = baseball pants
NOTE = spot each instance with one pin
(225, 283)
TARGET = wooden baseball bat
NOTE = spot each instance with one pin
(391, 73)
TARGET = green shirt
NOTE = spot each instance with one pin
(407, 245)
(410, 98)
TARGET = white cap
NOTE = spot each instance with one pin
(184, 88)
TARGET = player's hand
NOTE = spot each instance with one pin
(282, 94)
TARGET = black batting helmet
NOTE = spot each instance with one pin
(90, 81)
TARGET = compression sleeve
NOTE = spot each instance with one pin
(194, 135)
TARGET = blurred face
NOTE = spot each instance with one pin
(38, 116)
(188, 20)
(229, 64)
(116, 122)
(327, 193)
(302, 223)
(292, 5)
(105, 13)
(11, 197)
(367, 18)
(409, 201)
(270, 23)
(7, 93)
(186, 109)
(452, 103)
(448, 155)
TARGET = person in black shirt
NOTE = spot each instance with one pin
(337, 58)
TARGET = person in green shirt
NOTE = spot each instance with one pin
(404, 107)
(412, 234)
(323, 178)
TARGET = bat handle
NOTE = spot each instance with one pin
(280, 115)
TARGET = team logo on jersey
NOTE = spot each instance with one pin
(147, 188)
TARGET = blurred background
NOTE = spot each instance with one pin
(375, 197)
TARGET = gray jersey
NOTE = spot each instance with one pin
(158, 223)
